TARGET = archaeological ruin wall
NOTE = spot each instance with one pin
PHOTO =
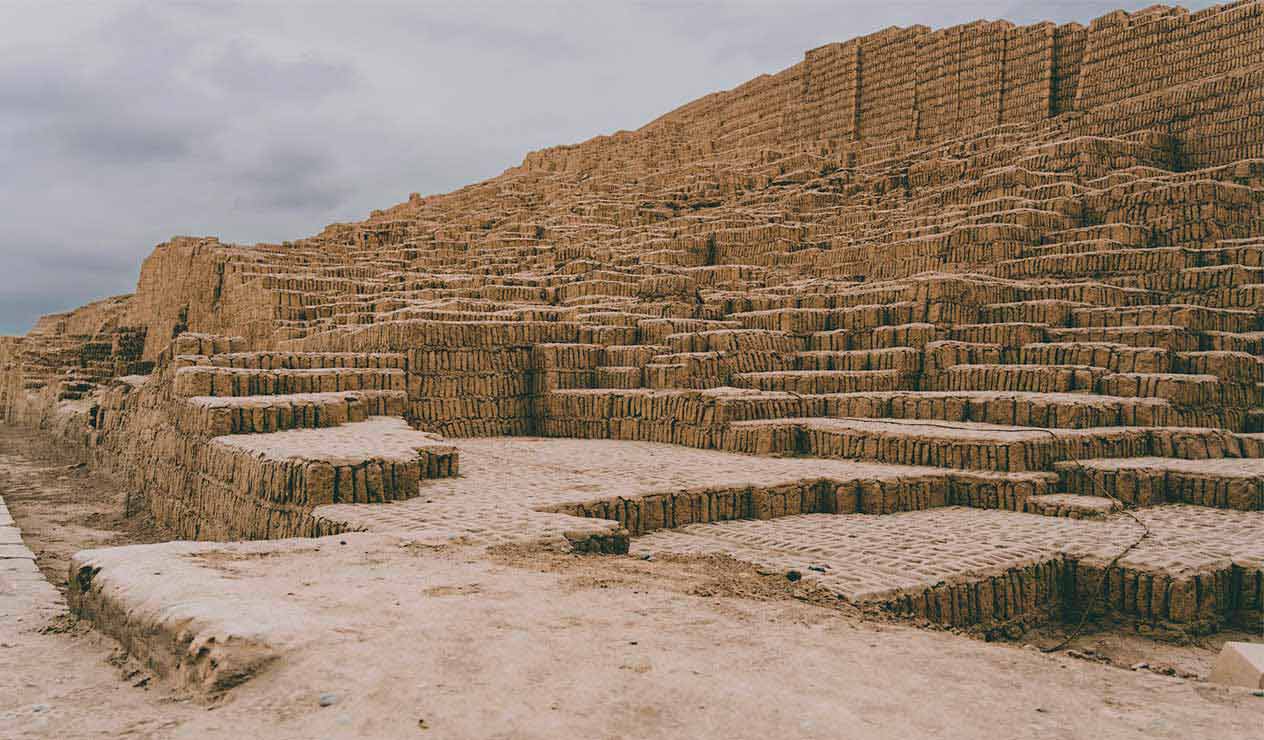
(1012, 268)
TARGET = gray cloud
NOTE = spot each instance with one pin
(33, 90)
(293, 178)
(38, 277)
(113, 142)
(241, 69)
(125, 122)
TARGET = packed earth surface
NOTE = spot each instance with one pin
(914, 390)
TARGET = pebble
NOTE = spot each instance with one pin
(793, 575)
(328, 699)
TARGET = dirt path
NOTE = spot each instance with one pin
(59, 678)
(61, 506)
(522, 643)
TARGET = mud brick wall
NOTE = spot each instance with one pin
(826, 381)
(1197, 72)
(981, 76)
(565, 366)
(938, 99)
(404, 335)
(1191, 212)
(1028, 88)
(1064, 587)
(218, 416)
(193, 343)
(246, 493)
(906, 360)
(1126, 56)
(1161, 47)
(714, 419)
(686, 417)
(1238, 367)
(709, 369)
(1010, 492)
(1191, 602)
(888, 83)
(1026, 378)
(888, 443)
(1019, 596)
(754, 112)
(825, 495)
(1195, 318)
(831, 85)
(11, 393)
(221, 381)
(914, 84)
(464, 379)
(140, 444)
(1247, 589)
(1013, 409)
(160, 446)
(296, 360)
(471, 392)
(179, 287)
(1118, 358)
(1181, 390)
(671, 510)
(1139, 484)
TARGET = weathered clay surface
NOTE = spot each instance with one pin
(412, 639)
(162, 614)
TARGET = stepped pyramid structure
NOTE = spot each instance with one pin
(916, 317)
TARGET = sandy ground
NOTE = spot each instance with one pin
(63, 679)
(407, 641)
(61, 506)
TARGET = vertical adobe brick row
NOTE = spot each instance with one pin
(938, 72)
(830, 85)
(1028, 74)
(888, 88)
(979, 81)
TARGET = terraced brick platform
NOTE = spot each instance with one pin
(951, 546)
(531, 489)
(963, 567)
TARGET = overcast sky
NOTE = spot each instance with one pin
(124, 123)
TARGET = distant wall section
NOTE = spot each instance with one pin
(1194, 75)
